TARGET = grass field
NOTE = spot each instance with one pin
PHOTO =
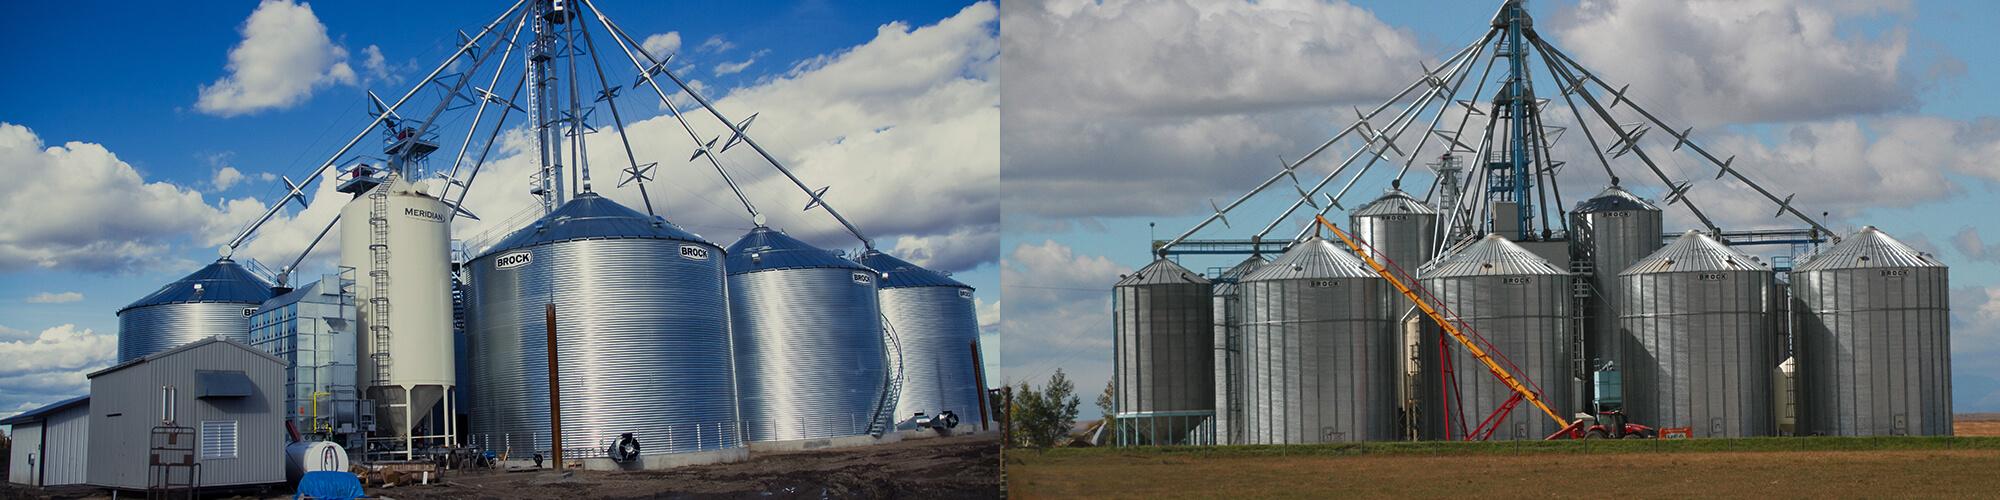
(1789, 467)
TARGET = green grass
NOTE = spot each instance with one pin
(1539, 447)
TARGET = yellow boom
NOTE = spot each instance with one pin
(1450, 327)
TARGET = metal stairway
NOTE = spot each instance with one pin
(1582, 292)
(892, 390)
(378, 274)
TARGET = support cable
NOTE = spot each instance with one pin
(646, 73)
(297, 191)
(1681, 139)
(1288, 169)
(1604, 114)
(737, 133)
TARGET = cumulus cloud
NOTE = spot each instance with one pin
(1729, 61)
(1975, 333)
(226, 177)
(284, 57)
(1969, 243)
(111, 218)
(662, 44)
(51, 365)
(55, 297)
(1145, 124)
(960, 250)
(1898, 161)
(904, 128)
(1057, 314)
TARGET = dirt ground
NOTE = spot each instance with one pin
(1845, 474)
(1836, 474)
(947, 468)
(954, 467)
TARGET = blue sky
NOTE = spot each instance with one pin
(1878, 112)
(112, 123)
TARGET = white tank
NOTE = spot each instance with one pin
(397, 238)
(313, 456)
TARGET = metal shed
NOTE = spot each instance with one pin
(221, 400)
(51, 444)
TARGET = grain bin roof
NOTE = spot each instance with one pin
(1393, 202)
(1313, 258)
(592, 217)
(222, 281)
(1614, 199)
(1869, 247)
(1694, 251)
(1490, 256)
(1162, 272)
(765, 249)
(898, 273)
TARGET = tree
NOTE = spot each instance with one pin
(1108, 402)
(1043, 418)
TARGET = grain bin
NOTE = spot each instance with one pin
(1228, 318)
(1699, 316)
(217, 300)
(1613, 230)
(1518, 302)
(1163, 343)
(810, 357)
(937, 325)
(1874, 340)
(1320, 349)
(1399, 228)
(641, 327)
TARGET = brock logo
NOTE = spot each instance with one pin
(692, 252)
(863, 278)
(513, 260)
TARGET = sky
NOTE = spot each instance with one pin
(1871, 112)
(133, 157)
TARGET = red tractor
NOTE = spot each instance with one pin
(1609, 424)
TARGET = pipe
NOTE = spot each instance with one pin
(555, 390)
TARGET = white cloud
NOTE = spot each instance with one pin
(111, 218)
(55, 297)
(989, 314)
(730, 68)
(1898, 161)
(226, 177)
(661, 45)
(959, 250)
(1057, 314)
(903, 128)
(1968, 242)
(714, 44)
(62, 348)
(285, 55)
(1732, 61)
(373, 63)
(1140, 123)
(1975, 333)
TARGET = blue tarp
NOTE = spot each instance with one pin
(329, 485)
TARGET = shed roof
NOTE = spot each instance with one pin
(186, 347)
(39, 414)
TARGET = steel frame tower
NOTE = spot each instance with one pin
(1510, 179)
